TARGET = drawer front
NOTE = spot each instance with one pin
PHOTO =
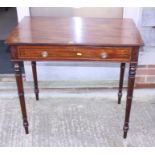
(74, 53)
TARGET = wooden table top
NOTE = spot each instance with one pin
(75, 31)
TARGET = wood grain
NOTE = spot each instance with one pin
(73, 53)
(75, 31)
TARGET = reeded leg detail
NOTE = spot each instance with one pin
(34, 71)
(19, 81)
(122, 70)
(131, 81)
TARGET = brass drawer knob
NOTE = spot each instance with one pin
(79, 54)
(104, 55)
(44, 54)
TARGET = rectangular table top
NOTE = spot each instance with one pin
(75, 31)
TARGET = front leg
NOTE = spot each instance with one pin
(19, 81)
(131, 81)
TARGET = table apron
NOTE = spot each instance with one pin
(71, 53)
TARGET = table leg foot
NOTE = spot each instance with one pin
(122, 70)
(119, 97)
(26, 126)
(125, 135)
(36, 91)
(34, 71)
(37, 96)
(125, 129)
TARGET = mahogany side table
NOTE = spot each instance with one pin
(75, 39)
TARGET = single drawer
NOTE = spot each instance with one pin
(73, 53)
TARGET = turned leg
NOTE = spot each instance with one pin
(19, 81)
(34, 71)
(122, 69)
(131, 80)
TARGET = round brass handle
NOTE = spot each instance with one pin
(44, 54)
(104, 55)
(79, 54)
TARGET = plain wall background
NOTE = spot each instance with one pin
(101, 12)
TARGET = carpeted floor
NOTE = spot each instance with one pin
(77, 119)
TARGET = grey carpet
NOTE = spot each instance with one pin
(77, 120)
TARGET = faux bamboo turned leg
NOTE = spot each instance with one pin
(34, 71)
(19, 81)
(122, 69)
(131, 80)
